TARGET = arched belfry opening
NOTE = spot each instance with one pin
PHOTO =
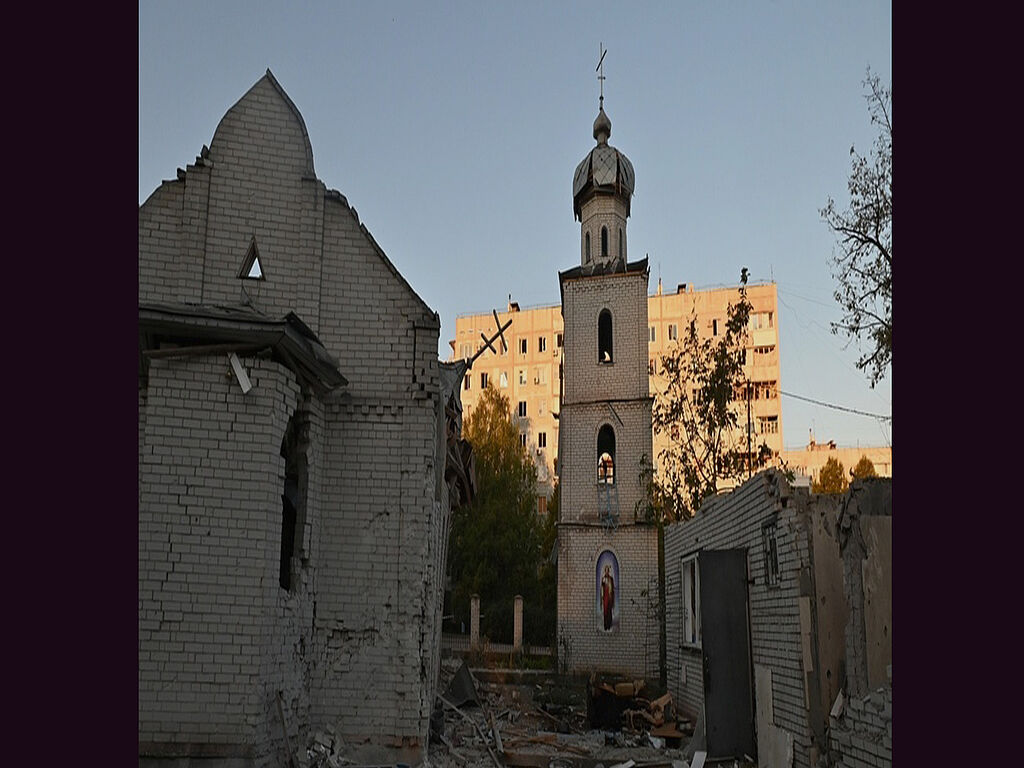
(604, 337)
(606, 455)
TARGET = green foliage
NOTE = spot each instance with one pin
(699, 412)
(864, 468)
(863, 266)
(496, 546)
(831, 479)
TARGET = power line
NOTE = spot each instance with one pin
(837, 407)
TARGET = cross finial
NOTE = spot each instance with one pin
(600, 70)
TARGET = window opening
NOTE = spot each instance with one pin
(604, 337)
(542, 439)
(483, 381)
(606, 455)
(522, 376)
(503, 380)
(770, 540)
(604, 241)
(522, 409)
(558, 340)
(293, 499)
(251, 267)
(466, 381)
(673, 332)
(652, 334)
(586, 246)
(522, 346)
(690, 583)
(542, 343)
(622, 251)
(522, 439)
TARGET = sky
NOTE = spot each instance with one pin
(454, 128)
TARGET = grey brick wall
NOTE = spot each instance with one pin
(861, 736)
(733, 521)
(355, 644)
(209, 531)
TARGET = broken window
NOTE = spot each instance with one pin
(690, 584)
(293, 499)
(769, 425)
(604, 337)
(542, 343)
(770, 540)
(522, 376)
(522, 346)
(606, 455)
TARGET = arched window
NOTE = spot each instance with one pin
(604, 337)
(604, 241)
(606, 455)
(622, 251)
(586, 248)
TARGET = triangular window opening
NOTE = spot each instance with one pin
(251, 267)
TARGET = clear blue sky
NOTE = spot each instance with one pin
(454, 129)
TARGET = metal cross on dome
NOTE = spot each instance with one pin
(600, 70)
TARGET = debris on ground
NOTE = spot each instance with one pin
(536, 720)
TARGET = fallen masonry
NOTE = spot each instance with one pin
(510, 718)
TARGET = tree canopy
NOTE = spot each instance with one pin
(832, 478)
(496, 542)
(863, 468)
(699, 413)
(862, 266)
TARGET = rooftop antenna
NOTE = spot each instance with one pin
(600, 70)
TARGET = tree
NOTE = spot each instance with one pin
(831, 479)
(863, 265)
(699, 412)
(495, 546)
(864, 468)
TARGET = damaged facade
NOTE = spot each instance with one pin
(778, 600)
(294, 492)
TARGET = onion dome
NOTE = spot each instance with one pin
(604, 169)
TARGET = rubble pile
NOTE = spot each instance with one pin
(548, 724)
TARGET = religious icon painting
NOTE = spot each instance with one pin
(607, 583)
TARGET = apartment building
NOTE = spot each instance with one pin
(529, 371)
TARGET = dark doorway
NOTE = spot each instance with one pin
(725, 641)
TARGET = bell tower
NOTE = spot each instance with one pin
(608, 587)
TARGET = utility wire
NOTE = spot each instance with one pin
(837, 407)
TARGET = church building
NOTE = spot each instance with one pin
(608, 589)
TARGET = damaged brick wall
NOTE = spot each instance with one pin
(209, 530)
(779, 641)
(861, 734)
(355, 642)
